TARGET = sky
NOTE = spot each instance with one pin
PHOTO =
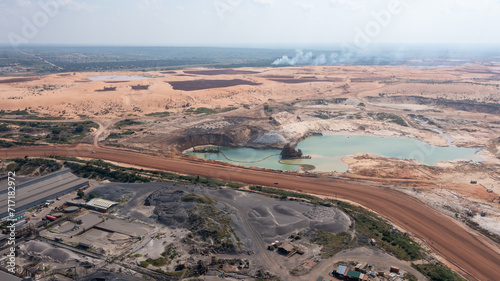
(253, 23)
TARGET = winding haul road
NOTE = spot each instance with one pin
(475, 256)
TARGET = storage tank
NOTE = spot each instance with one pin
(57, 215)
(71, 209)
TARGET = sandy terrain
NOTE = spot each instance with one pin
(441, 106)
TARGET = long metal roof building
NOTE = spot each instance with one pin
(4, 276)
(40, 189)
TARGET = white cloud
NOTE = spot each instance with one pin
(23, 3)
(265, 2)
(348, 5)
(76, 5)
(305, 6)
(469, 6)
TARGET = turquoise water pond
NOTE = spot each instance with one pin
(327, 151)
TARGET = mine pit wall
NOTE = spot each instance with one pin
(470, 106)
(189, 141)
(241, 136)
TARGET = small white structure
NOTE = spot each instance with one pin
(101, 205)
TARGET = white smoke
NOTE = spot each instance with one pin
(299, 58)
(308, 58)
(377, 55)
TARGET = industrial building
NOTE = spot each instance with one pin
(101, 205)
(40, 189)
(4, 276)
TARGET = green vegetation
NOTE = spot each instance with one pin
(4, 143)
(170, 253)
(430, 81)
(159, 114)
(90, 59)
(28, 115)
(98, 169)
(493, 106)
(438, 272)
(332, 243)
(120, 135)
(391, 117)
(410, 277)
(234, 185)
(208, 111)
(206, 181)
(214, 227)
(328, 115)
(80, 193)
(322, 116)
(198, 199)
(370, 225)
(329, 101)
(282, 193)
(101, 170)
(92, 196)
(155, 262)
(126, 122)
(14, 112)
(4, 128)
(33, 132)
(32, 166)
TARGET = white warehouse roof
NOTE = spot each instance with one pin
(101, 203)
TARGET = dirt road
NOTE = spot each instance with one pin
(458, 246)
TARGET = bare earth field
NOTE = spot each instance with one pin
(263, 107)
(196, 85)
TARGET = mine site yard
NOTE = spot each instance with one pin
(189, 229)
(158, 206)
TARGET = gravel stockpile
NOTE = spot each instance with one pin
(47, 252)
(276, 219)
(169, 209)
(113, 192)
(272, 218)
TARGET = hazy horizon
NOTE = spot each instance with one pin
(252, 23)
(288, 46)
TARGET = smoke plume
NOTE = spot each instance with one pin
(308, 58)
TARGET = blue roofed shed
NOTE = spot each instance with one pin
(341, 270)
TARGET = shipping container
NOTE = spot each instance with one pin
(51, 218)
